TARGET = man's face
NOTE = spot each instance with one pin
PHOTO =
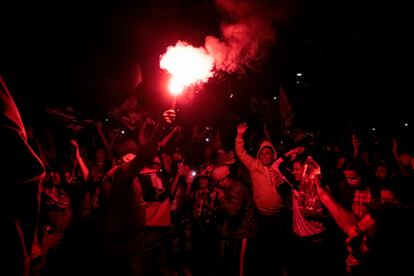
(352, 177)
(298, 171)
(100, 155)
(203, 183)
(381, 172)
(387, 195)
(266, 157)
(55, 177)
(68, 177)
(96, 173)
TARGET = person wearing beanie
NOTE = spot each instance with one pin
(239, 223)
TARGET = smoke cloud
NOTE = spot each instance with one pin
(246, 33)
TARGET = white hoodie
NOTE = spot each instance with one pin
(265, 196)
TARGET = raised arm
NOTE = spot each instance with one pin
(82, 165)
(180, 172)
(147, 151)
(143, 130)
(397, 158)
(356, 145)
(166, 160)
(345, 219)
(241, 153)
(168, 137)
(108, 149)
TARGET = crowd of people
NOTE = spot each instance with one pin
(160, 203)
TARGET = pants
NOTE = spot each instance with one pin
(272, 244)
(236, 257)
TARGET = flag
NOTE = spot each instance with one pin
(286, 112)
(263, 109)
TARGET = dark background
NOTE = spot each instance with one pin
(356, 59)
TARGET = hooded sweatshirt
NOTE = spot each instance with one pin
(265, 180)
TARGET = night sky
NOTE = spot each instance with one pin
(355, 59)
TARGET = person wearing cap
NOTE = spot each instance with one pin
(204, 196)
(204, 223)
(239, 226)
(158, 188)
(156, 194)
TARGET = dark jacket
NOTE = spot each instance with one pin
(238, 210)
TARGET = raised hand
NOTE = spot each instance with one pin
(74, 143)
(169, 116)
(295, 152)
(242, 128)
